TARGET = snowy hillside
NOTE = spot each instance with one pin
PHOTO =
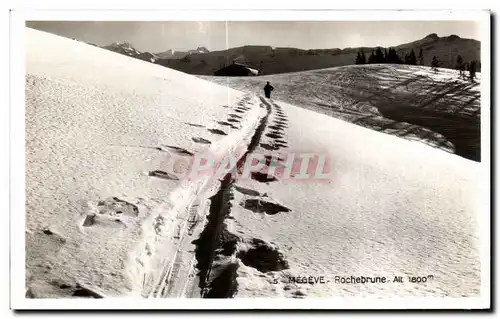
(100, 128)
(390, 208)
(411, 102)
(108, 212)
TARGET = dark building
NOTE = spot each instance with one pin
(236, 69)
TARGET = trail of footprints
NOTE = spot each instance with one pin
(276, 133)
(232, 122)
(263, 256)
(253, 200)
(266, 257)
(114, 211)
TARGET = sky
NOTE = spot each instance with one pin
(159, 36)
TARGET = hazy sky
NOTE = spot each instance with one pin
(158, 36)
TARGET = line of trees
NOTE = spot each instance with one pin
(464, 67)
(389, 56)
(461, 66)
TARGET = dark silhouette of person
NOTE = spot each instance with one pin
(267, 90)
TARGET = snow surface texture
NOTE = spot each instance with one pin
(393, 99)
(391, 208)
(99, 125)
(105, 217)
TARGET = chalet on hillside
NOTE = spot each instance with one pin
(236, 69)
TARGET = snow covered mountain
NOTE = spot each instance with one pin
(173, 54)
(110, 212)
(274, 60)
(199, 50)
(127, 49)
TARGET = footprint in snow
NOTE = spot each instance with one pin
(280, 143)
(274, 135)
(269, 147)
(270, 161)
(195, 125)
(277, 127)
(86, 292)
(103, 220)
(179, 150)
(115, 206)
(227, 124)
(298, 294)
(276, 131)
(164, 175)
(258, 205)
(201, 140)
(247, 191)
(217, 131)
(263, 178)
(281, 122)
(263, 256)
(54, 235)
(110, 213)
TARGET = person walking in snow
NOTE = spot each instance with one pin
(267, 90)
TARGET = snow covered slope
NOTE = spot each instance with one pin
(411, 102)
(390, 208)
(106, 215)
(102, 200)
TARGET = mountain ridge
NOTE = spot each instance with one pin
(275, 60)
(174, 54)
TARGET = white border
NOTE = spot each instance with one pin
(258, 303)
(17, 76)
(485, 209)
(254, 15)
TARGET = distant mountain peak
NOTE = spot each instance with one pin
(199, 50)
(124, 44)
(173, 54)
(202, 50)
(127, 49)
(433, 36)
(453, 37)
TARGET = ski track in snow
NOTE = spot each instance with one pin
(103, 208)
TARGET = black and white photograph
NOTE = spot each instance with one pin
(234, 158)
